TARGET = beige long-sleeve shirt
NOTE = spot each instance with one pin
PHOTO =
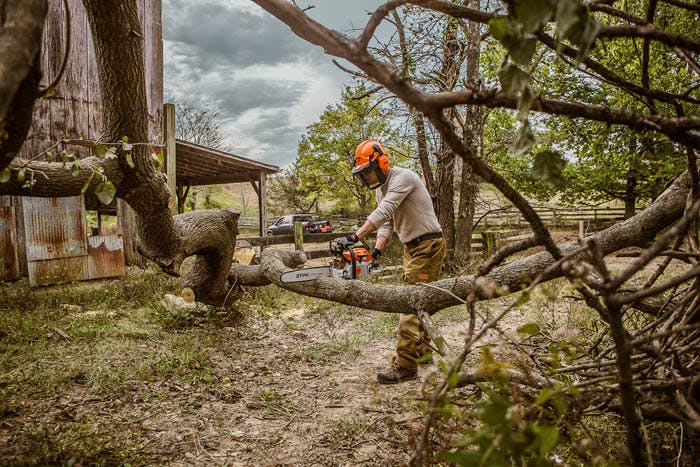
(404, 206)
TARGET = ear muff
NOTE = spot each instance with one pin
(377, 151)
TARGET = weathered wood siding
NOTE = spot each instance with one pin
(9, 264)
(74, 110)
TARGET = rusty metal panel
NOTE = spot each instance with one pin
(55, 228)
(56, 271)
(9, 264)
(105, 256)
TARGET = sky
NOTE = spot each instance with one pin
(267, 83)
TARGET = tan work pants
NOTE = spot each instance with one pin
(421, 263)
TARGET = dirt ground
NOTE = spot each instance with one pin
(113, 378)
(292, 383)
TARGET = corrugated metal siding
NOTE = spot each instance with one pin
(55, 271)
(58, 248)
(9, 264)
(105, 256)
(55, 228)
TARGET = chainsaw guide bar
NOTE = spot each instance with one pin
(308, 274)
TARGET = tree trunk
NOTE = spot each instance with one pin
(473, 125)
(21, 26)
(423, 157)
(630, 193)
(468, 190)
(444, 184)
(446, 164)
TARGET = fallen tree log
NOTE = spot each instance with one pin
(514, 276)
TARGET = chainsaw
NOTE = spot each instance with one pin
(349, 262)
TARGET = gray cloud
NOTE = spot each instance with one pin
(267, 84)
(212, 34)
(245, 94)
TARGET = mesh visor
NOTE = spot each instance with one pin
(370, 174)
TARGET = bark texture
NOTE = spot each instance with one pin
(636, 231)
(21, 25)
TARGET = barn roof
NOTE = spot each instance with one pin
(199, 165)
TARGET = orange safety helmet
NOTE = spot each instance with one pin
(371, 163)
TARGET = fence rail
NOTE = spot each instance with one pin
(485, 241)
(503, 217)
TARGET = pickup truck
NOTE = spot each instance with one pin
(285, 225)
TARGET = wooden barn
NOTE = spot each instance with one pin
(63, 239)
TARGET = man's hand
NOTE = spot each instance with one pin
(375, 253)
(353, 238)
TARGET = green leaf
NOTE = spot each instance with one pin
(548, 167)
(525, 140)
(126, 146)
(462, 458)
(559, 404)
(512, 78)
(20, 175)
(533, 14)
(5, 175)
(453, 380)
(588, 37)
(99, 149)
(105, 192)
(524, 103)
(530, 329)
(129, 159)
(544, 395)
(547, 437)
(499, 28)
(521, 51)
(522, 299)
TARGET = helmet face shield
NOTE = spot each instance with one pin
(370, 174)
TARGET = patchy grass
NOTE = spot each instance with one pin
(104, 374)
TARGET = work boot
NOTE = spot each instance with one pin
(396, 374)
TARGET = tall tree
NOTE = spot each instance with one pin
(200, 125)
(129, 172)
(649, 368)
(326, 153)
(287, 192)
(566, 29)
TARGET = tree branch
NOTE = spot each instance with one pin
(636, 230)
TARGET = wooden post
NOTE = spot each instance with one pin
(170, 153)
(181, 198)
(298, 236)
(262, 202)
(126, 218)
(581, 231)
(489, 242)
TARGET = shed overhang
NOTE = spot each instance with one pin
(199, 165)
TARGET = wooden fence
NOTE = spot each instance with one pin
(485, 241)
(508, 217)
(554, 217)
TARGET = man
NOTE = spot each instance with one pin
(404, 206)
